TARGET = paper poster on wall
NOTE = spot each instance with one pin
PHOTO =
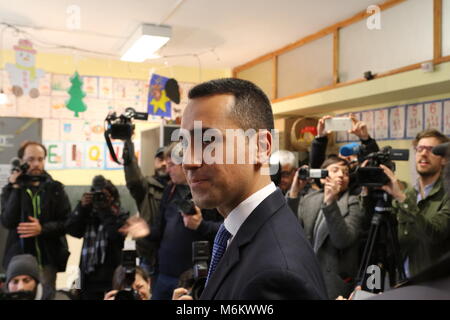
(50, 129)
(414, 120)
(433, 115)
(45, 84)
(74, 155)
(121, 105)
(58, 109)
(55, 155)
(105, 88)
(128, 89)
(5, 172)
(60, 85)
(159, 103)
(381, 124)
(97, 109)
(397, 122)
(33, 107)
(74, 130)
(90, 86)
(447, 117)
(94, 154)
(368, 118)
(94, 130)
(118, 150)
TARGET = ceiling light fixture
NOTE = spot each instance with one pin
(145, 42)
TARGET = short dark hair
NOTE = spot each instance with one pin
(27, 143)
(252, 108)
(333, 160)
(118, 280)
(430, 133)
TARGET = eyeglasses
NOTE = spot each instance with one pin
(419, 149)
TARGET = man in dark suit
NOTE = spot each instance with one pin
(260, 252)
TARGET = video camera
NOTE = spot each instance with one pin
(307, 173)
(121, 127)
(372, 175)
(24, 178)
(200, 257)
(129, 265)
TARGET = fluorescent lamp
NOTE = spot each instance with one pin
(145, 42)
(3, 97)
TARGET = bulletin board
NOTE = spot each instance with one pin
(403, 121)
(78, 142)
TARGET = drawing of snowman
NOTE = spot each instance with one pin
(24, 76)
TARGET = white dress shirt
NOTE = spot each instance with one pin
(239, 214)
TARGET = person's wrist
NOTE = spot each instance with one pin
(400, 197)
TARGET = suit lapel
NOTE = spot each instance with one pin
(244, 235)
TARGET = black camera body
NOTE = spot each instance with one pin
(129, 265)
(121, 127)
(307, 173)
(98, 196)
(200, 257)
(186, 205)
(372, 175)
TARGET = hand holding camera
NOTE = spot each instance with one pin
(393, 186)
(331, 191)
(192, 221)
(298, 184)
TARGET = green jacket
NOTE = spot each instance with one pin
(423, 227)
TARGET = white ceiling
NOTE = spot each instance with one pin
(237, 30)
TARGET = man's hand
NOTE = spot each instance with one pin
(111, 295)
(321, 126)
(359, 128)
(86, 199)
(181, 294)
(193, 221)
(13, 178)
(331, 191)
(135, 227)
(393, 187)
(29, 229)
(297, 185)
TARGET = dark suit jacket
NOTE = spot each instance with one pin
(269, 258)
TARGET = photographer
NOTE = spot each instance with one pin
(141, 284)
(422, 211)
(332, 220)
(97, 219)
(147, 193)
(286, 160)
(175, 231)
(319, 146)
(34, 210)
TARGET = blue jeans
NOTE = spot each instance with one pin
(164, 286)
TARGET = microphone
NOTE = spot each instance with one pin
(350, 149)
(441, 149)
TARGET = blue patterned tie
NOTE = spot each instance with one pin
(220, 245)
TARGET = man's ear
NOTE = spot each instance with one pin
(264, 146)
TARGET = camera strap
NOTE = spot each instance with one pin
(110, 147)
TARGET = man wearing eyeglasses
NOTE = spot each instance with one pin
(423, 210)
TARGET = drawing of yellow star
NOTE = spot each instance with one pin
(161, 103)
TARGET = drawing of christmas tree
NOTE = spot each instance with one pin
(75, 102)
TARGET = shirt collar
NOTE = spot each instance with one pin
(239, 214)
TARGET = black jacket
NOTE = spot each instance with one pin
(50, 247)
(175, 240)
(77, 223)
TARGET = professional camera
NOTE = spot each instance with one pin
(24, 178)
(129, 265)
(186, 205)
(121, 127)
(200, 256)
(98, 196)
(372, 175)
(307, 173)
